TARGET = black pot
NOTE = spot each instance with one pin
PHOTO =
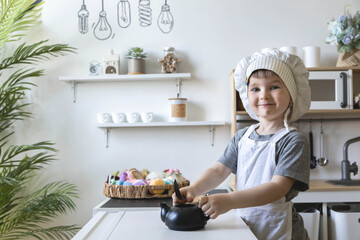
(183, 217)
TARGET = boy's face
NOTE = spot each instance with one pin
(268, 97)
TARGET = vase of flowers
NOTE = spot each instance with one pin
(136, 60)
(345, 34)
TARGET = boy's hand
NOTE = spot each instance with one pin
(187, 194)
(214, 205)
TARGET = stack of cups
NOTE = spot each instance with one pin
(130, 117)
(145, 117)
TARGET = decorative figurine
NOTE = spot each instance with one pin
(111, 64)
(169, 61)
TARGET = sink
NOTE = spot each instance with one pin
(345, 182)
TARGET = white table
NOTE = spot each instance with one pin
(147, 225)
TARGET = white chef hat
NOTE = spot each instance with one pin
(289, 68)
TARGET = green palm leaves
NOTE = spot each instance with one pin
(17, 16)
(26, 215)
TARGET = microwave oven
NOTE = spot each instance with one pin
(331, 89)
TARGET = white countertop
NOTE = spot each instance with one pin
(148, 225)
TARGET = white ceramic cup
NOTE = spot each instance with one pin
(132, 117)
(104, 118)
(119, 117)
(147, 117)
(291, 50)
(311, 56)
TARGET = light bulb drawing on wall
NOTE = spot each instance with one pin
(145, 13)
(83, 16)
(165, 20)
(123, 13)
(102, 30)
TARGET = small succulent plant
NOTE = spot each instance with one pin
(136, 53)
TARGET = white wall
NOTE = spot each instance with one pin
(210, 37)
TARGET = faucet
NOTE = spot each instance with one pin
(346, 168)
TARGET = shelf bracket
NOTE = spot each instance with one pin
(211, 131)
(73, 87)
(106, 131)
(178, 87)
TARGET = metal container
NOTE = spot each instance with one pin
(136, 66)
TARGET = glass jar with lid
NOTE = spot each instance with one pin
(169, 60)
(169, 50)
(178, 109)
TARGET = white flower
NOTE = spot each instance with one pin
(332, 40)
(344, 32)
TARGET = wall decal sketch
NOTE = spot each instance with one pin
(102, 30)
(83, 16)
(123, 13)
(165, 20)
(145, 13)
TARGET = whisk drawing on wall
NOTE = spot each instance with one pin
(144, 13)
(102, 30)
(83, 19)
(123, 13)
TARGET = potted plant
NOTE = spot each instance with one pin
(27, 214)
(136, 60)
(345, 34)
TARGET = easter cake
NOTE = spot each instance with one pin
(135, 184)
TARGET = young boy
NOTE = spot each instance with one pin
(270, 159)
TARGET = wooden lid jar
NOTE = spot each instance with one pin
(178, 108)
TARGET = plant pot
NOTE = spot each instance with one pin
(348, 59)
(136, 66)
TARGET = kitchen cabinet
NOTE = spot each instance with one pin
(322, 192)
(148, 225)
(177, 77)
(239, 115)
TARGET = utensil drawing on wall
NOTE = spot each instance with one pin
(145, 13)
(102, 30)
(83, 16)
(123, 13)
(165, 20)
